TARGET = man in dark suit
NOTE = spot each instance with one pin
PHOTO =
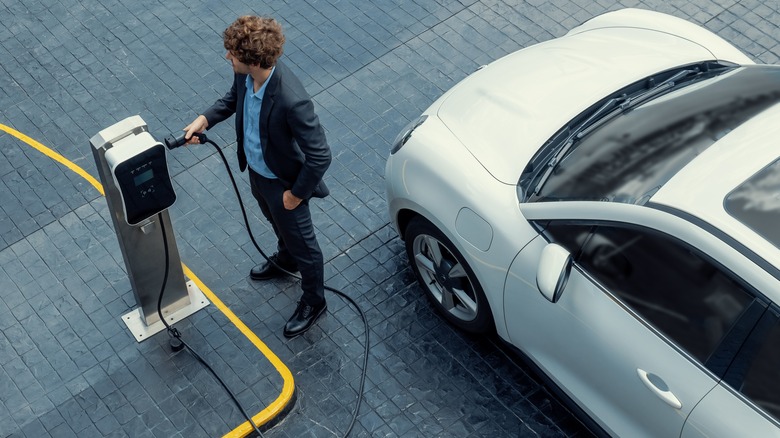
(280, 139)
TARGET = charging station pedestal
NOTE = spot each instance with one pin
(134, 174)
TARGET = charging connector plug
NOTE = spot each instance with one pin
(176, 343)
(172, 142)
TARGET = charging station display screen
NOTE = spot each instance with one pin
(143, 177)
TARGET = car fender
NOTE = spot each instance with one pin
(475, 217)
(431, 159)
(660, 22)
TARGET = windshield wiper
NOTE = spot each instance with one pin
(551, 165)
(654, 91)
(602, 112)
(610, 109)
(664, 86)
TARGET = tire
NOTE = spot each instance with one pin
(446, 278)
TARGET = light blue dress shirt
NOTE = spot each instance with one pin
(252, 104)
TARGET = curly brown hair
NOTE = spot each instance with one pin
(255, 40)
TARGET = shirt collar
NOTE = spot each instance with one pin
(250, 84)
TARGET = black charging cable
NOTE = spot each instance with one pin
(177, 343)
(173, 142)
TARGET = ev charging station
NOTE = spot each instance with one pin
(133, 169)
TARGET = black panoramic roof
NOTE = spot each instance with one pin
(756, 202)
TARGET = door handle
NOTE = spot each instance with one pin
(659, 388)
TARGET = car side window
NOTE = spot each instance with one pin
(569, 235)
(682, 294)
(762, 380)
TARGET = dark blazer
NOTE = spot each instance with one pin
(293, 142)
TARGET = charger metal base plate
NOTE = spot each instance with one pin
(134, 319)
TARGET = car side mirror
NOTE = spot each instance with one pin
(553, 271)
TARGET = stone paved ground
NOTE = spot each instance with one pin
(68, 365)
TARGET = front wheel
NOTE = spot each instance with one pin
(446, 277)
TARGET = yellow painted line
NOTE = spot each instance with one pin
(54, 156)
(288, 389)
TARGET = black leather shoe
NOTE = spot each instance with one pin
(303, 318)
(268, 270)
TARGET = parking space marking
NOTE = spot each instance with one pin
(288, 388)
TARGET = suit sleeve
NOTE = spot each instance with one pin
(310, 136)
(223, 108)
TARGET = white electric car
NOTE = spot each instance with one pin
(609, 203)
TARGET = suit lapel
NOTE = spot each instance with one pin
(240, 97)
(268, 103)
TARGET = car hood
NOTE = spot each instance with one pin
(504, 112)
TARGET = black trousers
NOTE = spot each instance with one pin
(296, 242)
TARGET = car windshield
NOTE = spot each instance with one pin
(630, 150)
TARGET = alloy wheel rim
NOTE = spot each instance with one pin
(445, 277)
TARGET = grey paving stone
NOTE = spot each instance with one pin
(70, 70)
